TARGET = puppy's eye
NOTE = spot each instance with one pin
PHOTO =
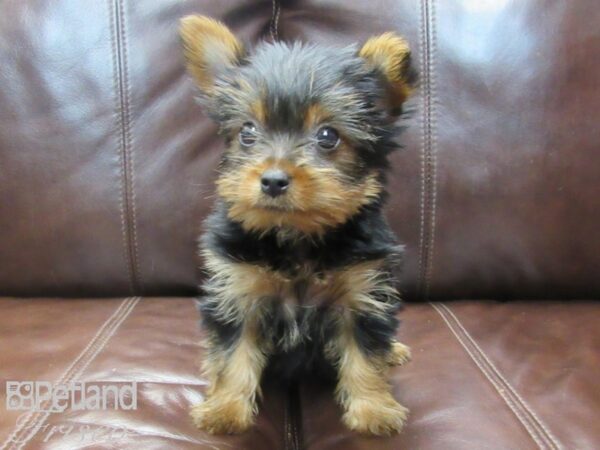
(328, 138)
(248, 134)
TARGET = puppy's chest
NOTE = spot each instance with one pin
(303, 286)
(302, 305)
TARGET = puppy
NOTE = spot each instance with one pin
(300, 260)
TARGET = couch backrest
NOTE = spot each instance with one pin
(106, 162)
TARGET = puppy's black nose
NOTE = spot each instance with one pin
(274, 182)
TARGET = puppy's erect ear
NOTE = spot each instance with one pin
(210, 48)
(390, 55)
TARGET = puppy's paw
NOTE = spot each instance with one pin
(399, 355)
(219, 417)
(373, 416)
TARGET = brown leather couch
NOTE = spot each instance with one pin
(106, 169)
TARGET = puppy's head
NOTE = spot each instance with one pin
(308, 128)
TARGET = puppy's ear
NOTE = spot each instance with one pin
(210, 48)
(390, 55)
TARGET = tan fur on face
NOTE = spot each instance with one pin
(209, 47)
(316, 199)
(230, 405)
(315, 114)
(258, 110)
(390, 54)
(363, 390)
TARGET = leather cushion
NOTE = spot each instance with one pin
(483, 375)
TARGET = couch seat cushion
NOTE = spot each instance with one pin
(484, 375)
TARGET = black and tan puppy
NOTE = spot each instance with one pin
(299, 257)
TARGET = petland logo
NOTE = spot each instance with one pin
(44, 396)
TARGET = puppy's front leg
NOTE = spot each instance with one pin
(363, 390)
(363, 347)
(234, 376)
(236, 352)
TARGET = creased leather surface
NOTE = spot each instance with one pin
(550, 354)
(106, 163)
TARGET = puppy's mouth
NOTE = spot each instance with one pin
(280, 204)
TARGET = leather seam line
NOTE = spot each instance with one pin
(423, 63)
(34, 420)
(130, 146)
(432, 147)
(292, 418)
(498, 389)
(274, 24)
(428, 150)
(533, 425)
(286, 422)
(96, 345)
(116, 71)
(544, 430)
(122, 94)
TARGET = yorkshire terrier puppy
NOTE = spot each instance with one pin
(300, 260)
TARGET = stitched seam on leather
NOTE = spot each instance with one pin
(121, 80)
(296, 410)
(423, 62)
(286, 426)
(129, 148)
(479, 362)
(428, 197)
(432, 149)
(545, 431)
(290, 418)
(13, 438)
(122, 188)
(95, 348)
(274, 26)
(44, 417)
(115, 320)
(30, 415)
